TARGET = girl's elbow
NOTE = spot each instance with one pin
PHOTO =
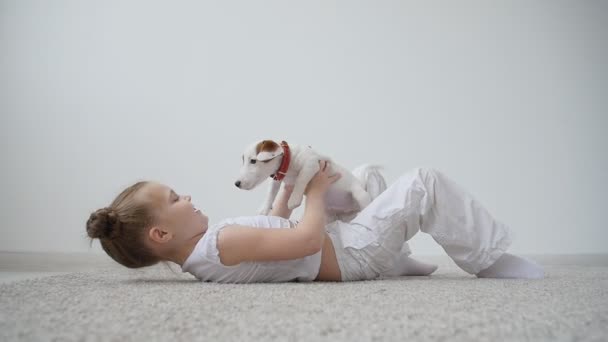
(310, 240)
(314, 246)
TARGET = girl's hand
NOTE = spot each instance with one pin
(319, 184)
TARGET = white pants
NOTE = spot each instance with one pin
(420, 200)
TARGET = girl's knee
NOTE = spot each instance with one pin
(424, 172)
(429, 172)
(417, 174)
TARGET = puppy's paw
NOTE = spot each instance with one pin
(294, 202)
(264, 210)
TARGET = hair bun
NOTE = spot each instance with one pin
(104, 223)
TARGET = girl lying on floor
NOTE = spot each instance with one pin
(149, 223)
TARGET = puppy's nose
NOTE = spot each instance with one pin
(238, 184)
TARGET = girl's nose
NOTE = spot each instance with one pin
(188, 198)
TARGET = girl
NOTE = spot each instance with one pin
(148, 222)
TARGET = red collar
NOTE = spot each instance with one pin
(280, 174)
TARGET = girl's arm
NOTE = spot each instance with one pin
(237, 243)
(280, 205)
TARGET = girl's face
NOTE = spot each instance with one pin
(178, 220)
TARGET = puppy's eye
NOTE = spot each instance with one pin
(253, 161)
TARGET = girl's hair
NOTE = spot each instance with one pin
(121, 228)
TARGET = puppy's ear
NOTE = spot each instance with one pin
(267, 149)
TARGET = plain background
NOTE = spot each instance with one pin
(508, 98)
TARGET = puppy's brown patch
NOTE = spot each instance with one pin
(266, 146)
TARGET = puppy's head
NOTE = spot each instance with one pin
(260, 160)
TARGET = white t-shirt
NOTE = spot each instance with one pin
(204, 261)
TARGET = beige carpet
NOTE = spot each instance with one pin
(157, 305)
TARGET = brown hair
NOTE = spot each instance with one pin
(121, 228)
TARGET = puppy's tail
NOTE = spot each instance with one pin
(371, 178)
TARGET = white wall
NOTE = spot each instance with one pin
(509, 98)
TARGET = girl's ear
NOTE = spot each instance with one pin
(159, 235)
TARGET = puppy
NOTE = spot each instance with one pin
(296, 165)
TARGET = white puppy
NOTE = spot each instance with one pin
(296, 165)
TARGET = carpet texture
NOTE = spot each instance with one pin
(154, 304)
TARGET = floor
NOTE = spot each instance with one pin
(89, 297)
(15, 266)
